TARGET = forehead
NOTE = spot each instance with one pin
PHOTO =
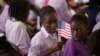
(77, 25)
(50, 17)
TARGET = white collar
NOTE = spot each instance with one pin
(45, 33)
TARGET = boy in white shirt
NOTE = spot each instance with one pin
(45, 42)
(15, 29)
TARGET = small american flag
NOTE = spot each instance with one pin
(66, 31)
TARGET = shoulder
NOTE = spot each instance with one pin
(70, 42)
(19, 25)
(38, 38)
(14, 25)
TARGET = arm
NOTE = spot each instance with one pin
(52, 49)
(23, 40)
(37, 47)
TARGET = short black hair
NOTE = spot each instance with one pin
(94, 42)
(81, 19)
(19, 9)
(46, 11)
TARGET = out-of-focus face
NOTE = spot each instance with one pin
(50, 22)
(79, 31)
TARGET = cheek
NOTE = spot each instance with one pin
(46, 25)
(82, 33)
(77, 34)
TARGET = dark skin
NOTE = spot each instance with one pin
(50, 24)
(79, 31)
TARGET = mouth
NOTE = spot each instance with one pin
(75, 36)
(53, 30)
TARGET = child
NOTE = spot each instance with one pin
(76, 46)
(45, 42)
(94, 43)
(15, 29)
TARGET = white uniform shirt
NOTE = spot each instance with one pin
(42, 41)
(98, 17)
(16, 33)
(96, 27)
(4, 17)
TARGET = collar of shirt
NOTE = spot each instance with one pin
(13, 19)
(46, 34)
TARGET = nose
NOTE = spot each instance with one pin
(53, 25)
(74, 33)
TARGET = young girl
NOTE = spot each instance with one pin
(76, 46)
(45, 42)
(15, 29)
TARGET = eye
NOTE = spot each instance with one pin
(78, 30)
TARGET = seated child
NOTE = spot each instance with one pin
(15, 29)
(76, 46)
(45, 42)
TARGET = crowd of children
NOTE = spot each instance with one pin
(49, 28)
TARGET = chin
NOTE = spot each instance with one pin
(53, 31)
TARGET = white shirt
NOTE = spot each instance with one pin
(16, 33)
(96, 27)
(4, 17)
(98, 17)
(42, 41)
